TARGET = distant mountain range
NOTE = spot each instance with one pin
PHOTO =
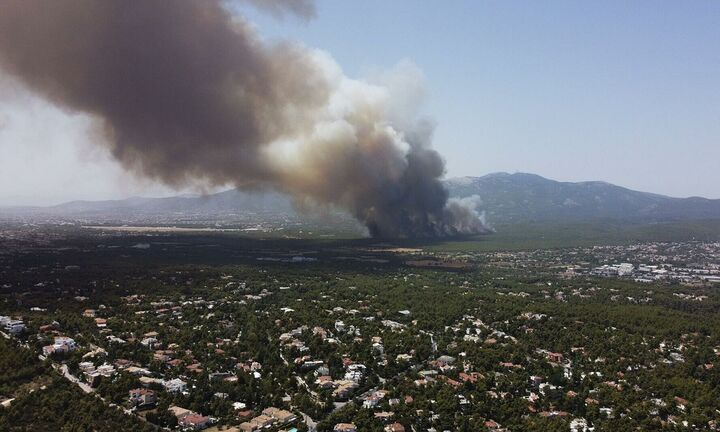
(230, 201)
(506, 199)
(521, 197)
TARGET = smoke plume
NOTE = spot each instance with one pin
(186, 93)
(302, 8)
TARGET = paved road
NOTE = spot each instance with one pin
(72, 378)
(311, 424)
(87, 389)
(303, 383)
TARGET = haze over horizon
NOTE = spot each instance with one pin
(623, 93)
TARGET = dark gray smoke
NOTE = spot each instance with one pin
(186, 93)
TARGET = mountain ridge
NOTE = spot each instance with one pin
(524, 197)
(505, 198)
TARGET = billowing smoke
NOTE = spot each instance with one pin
(186, 93)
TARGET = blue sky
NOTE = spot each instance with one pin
(626, 92)
(622, 91)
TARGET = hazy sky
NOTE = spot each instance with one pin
(626, 92)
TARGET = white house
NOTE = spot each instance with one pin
(175, 385)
